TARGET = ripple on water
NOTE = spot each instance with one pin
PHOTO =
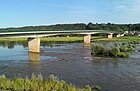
(73, 63)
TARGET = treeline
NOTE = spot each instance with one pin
(82, 26)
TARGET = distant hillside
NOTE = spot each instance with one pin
(79, 26)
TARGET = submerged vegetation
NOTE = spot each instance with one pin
(115, 51)
(36, 83)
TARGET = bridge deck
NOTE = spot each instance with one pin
(49, 33)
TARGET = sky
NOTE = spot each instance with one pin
(16, 13)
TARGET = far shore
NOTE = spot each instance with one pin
(76, 39)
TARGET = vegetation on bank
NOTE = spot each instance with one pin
(36, 83)
(115, 51)
(13, 39)
(76, 39)
(63, 39)
(125, 38)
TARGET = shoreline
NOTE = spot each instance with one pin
(75, 39)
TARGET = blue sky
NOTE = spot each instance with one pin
(14, 13)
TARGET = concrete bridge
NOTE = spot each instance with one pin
(34, 37)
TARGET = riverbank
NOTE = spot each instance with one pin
(75, 39)
(125, 38)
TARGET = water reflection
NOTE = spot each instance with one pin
(12, 44)
(87, 45)
(34, 58)
(73, 63)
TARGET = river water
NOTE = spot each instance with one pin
(73, 63)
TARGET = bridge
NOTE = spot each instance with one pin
(34, 36)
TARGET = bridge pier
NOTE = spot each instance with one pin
(110, 36)
(34, 44)
(87, 39)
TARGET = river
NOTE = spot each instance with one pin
(73, 63)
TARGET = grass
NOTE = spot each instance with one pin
(75, 39)
(37, 83)
(50, 39)
(125, 38)
(62, 39)
(13, 39)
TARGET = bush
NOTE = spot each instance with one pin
(99, 50)
(122, 55)
(127, 48)
(123, 48)
(130, 47)
(106, 51)
(36, 83)
(115, 51)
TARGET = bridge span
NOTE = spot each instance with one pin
(34, 37)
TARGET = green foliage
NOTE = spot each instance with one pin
(36, 83)
(97, 49)
(122, 55)
(126, 48)
(96, 87)
(116, 51)
(17, 84)
(100, 50)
